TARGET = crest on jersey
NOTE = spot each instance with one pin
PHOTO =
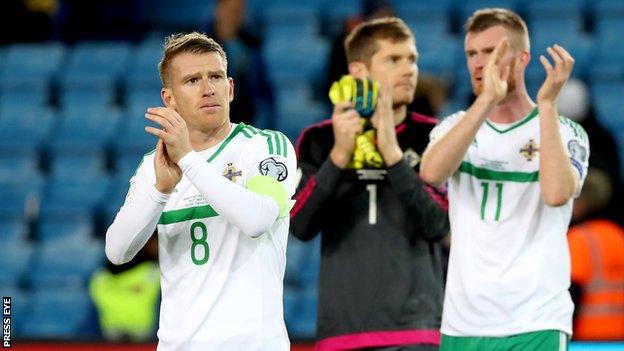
(529, 150)
(231, 172)
(412, 157)
(577, 151)
(272, 168)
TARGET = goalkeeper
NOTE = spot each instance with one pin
(380, 281)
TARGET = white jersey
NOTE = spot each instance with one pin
(222, 289)
(509, 265)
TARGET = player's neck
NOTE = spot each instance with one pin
(514, 107)
(202, 140)
(400, 113)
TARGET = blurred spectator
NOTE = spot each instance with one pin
(596, 247)
(26, 20)
(574, 103)
(245, 64)
(337, 59)
(126, 296)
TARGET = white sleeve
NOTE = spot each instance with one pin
(250, 212)
(136, 220)
(577, 147)
(445, 126)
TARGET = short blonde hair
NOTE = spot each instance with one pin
(194, 43)
(489, 17)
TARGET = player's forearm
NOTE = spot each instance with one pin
(134, 225)
(443, 157)
(252, 213)
(557, 179)
(314, 197)
(421, 206)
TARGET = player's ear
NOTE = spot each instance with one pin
(167, 98)
(358, 69)
(231, 88)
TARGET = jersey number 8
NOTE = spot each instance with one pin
(199, 244)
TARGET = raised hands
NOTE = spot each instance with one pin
(495, 79)
(174, 133)
(555, 76)
(346, 124)
(383, 120)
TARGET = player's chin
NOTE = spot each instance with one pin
(402, 99)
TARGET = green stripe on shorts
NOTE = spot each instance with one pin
(545, 340)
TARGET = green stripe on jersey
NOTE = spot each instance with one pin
(514, 125)
(488, 174)
(187, 214)
(227, 141)
(276, 141)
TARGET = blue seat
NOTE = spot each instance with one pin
(14, 263)
(65, 262)
(293, 60)
(97, 59)
(548, 10)
(73, 162)
(84, 131)
(467, 8)
(288, 19)
(334, 14)
(580, 46)
(607, 9)
(142, 71)
(18, 197)
(32, 60)
(87, 90)
(20, 307)
(607, 63)
(294, 116)
(132, 140)
(303, 323)
(295, 256)
(24, 128)
(75, 197)
(62, 229)
(57, 314)
(19, 164)
(14, 231)
(24, 90)
(438, 54)
(423, 11)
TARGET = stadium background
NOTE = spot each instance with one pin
(76, 78)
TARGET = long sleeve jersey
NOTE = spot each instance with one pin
(380, 278)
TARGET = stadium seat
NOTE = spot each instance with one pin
(97, 59)
(65, 228)
(14, 230)
(57, 314)
(290, 19)
(73, 197)
(467, 8)
(334, 14)
(303, 323)
(24, 90)
(607, 10)
(24, 128)
(14, 263)
(295, 256)
(66, 262)
(32, 60)
(293, 60)
(142, 72)
(294, 116)
(20, 307)
(430, 12)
